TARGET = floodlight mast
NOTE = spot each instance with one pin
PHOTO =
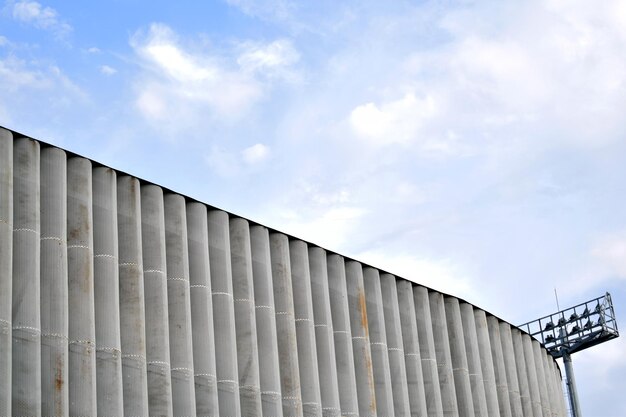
(572, 330)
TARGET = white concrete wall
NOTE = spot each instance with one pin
(109, 382)
(54, 297)
(119, 299)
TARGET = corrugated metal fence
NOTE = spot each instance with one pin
(117, 298)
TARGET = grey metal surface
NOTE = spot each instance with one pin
(82, 331)
(324, 335)
(131, 297)
(6, 269)
(378, 342)
(531, 371)
(305, 330)
(269, 370)
(346, 375)
(109, 382)
(119, 299)
(449, 400)
(54, 314)
(245, 318)
(26, 349)
(285, 326)
(486, 362)
(201, 311)
(223, 314)
(179, 307)
(395, 347)
(538, 353)
(511, 371)
(412, 356)
(504, 400)
(522, 374)
(427, 351)
(477, 382)
(571, 386)
(357, 305)
(458, 354)
(155, 297)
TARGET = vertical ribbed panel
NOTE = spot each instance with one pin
(117, 300)
(201, 311)
(26, 262)
(412, 357)
(378, 342)
(245, 318)
(305, 330)
(477, 383)
(54, 317)
(522, 376)
(460, 367)
(132, 297)
(558, 385)
(223, 314)
(106, 294)
(82, 331)
(556, 409)
(395, 347)
(155, 298)
(442, 353)
(504, 401)
(549, 384)
(269, 372)
(511, 370)
(357, 305)
(531, 372)
(541, 379)
(486, 362)
(342, 335)
(427, 351)
(552, 390)
(324, 337)
(179, 306)
(285, 326)
(6, 268)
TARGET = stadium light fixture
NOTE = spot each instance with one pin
(574, 329)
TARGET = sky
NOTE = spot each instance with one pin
(476, 147)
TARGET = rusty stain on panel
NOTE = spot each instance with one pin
(363, 311)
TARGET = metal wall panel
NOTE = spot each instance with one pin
(119, 299)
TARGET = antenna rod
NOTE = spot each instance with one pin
(557, 300)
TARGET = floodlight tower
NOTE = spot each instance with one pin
(572, 330)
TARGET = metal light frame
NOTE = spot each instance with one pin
(572, 330)
(576, 328)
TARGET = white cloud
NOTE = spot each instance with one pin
(330, 228)
(255, 153)
(184, 86)
(545, 74)
(16, 74)
(93, 50)
(3, 41)
(273, 59)
(151, 104)
(41, 17)
(222, 162)
(267, 9)
(29, 84)
(396, 121)
(611, 253)
(107, 70)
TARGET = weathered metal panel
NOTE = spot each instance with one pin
(119, 299)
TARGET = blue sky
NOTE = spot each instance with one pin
(475, 147)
